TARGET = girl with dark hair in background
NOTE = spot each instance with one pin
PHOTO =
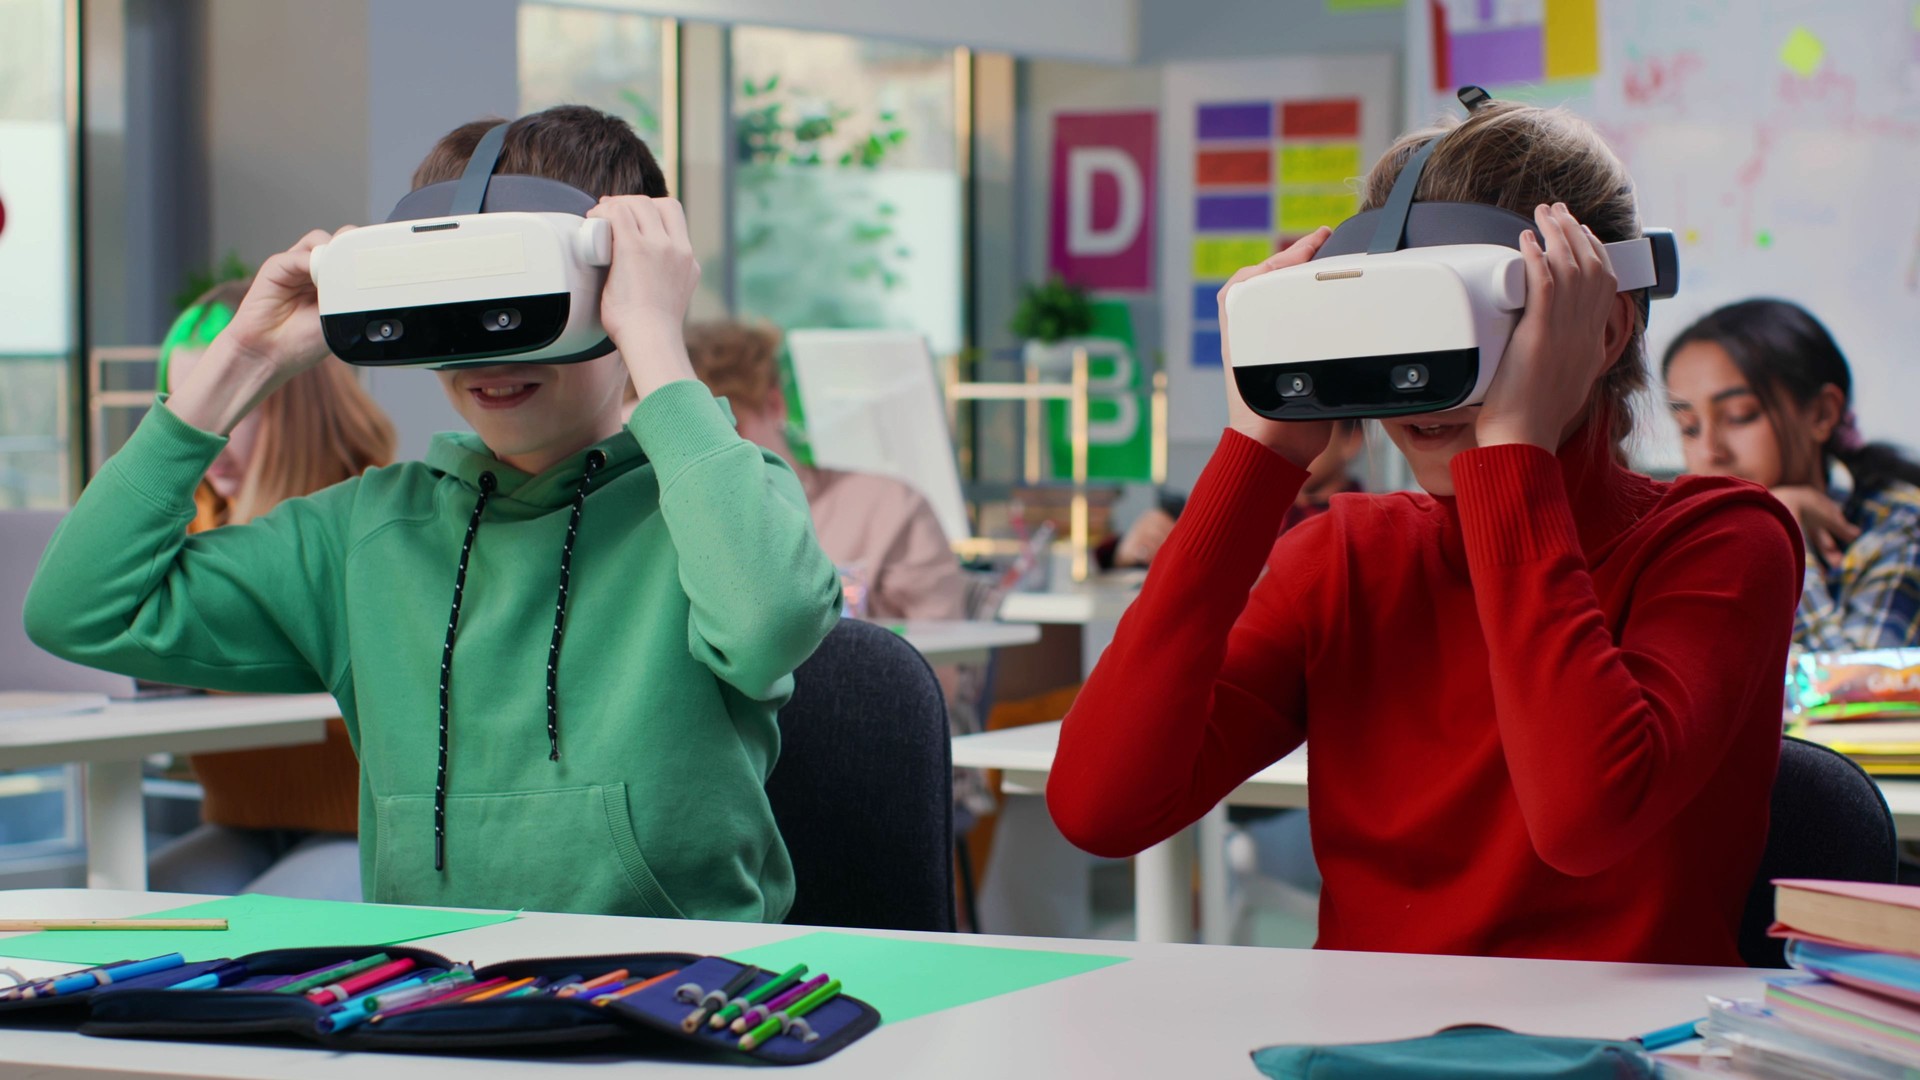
(1762, 392)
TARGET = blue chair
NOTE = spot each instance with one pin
(863, 790)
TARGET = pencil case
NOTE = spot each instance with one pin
(646, 1023)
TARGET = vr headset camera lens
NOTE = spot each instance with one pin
(1410, 377)
(1294, 385)
(501, 319)
(385, 330)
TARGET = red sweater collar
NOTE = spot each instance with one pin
(1606, 497)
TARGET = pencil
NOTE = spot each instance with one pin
(8, 925)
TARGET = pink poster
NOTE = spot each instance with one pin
(1101, 227)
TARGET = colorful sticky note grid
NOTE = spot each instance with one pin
(1803, 52)
(904, 979)
(1262, 168)
(1319, 163)
(1216, 258)
(1302, 212)
(255, 923)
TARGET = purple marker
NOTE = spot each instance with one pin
(757, 1014)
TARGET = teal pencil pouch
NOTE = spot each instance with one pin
(1461, 1053)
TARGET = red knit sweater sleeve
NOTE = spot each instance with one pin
(1609, 731)
(1199, 689)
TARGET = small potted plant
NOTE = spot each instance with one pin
(1053, 317)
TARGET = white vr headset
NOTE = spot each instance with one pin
(1405, 309)
(479, 270)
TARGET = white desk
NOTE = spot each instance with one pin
(110, 745)
(1162, 873)
(1213, 1006)
(961, 641)
(1103, 599)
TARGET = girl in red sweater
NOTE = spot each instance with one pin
(1543, 697)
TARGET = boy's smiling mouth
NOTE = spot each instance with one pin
(503, 389)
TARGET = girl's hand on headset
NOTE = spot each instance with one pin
(1298, 442)
(1575, 326)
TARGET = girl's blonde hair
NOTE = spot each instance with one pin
(320, 428)
(1520, 156)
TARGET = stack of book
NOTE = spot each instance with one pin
(1852, 1007)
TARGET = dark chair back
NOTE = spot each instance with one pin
(863, 788)
(1828, 820)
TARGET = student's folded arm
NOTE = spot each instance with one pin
(763, 594)
(1606, 741)
(1204, 682)
(245, 608)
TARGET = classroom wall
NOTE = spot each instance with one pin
(286, 122)
(1172, 30)
(302, 138)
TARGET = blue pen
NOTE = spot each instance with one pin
(112, 973)
(356, 1010)
(1673, 1036)
(231, 972)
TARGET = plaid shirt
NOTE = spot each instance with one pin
(1871, 600)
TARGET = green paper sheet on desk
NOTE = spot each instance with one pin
(254, 924)
(904, 979)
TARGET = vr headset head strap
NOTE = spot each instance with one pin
(1391, 232)
(472, 192)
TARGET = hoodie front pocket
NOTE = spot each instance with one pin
(565, 849)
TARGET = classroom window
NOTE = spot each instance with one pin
(848, 189)
(615, 61)
(37, 336)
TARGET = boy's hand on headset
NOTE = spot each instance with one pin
(1575, 324)
(649, 286)
(275, 335)
(278, 322)
(1299, 442)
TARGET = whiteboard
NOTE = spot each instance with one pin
(1210, 112)
(872, 405)
(1779, 139)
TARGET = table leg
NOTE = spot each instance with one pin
(116, 825)
(1163, 890)
(1216, 880)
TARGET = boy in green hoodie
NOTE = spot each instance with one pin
(559, 646)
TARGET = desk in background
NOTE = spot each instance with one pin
(111, 744)
(961, 641)
(1213, 1005)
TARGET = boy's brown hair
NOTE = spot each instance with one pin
(738, 361)
(574, 144)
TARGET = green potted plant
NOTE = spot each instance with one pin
(1054, 317)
